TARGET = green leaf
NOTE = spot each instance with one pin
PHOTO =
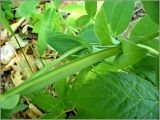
(75, 10)
(91, 7)
(42, 44)
(57, 3)
(53, 116)
(152, 9)
(61, 87)
(147, 69)
(87, 74)
(36, 27)
(81, 78)
(105, 66)
(52, 106)
(88, 34)
(131, 53)
(18, 108)
(26, 8)
(119, 14)
(109, 9)
(143, 28)
(62, 42)
(46, 24)
(7, 7)
(83, 20)
(6, 114)
(117, 95)
(101, 28)
(9, 102)
(4, 21)
(47, 103)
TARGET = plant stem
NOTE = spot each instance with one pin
(150, 50)
(62, 57)
(61, 72)
(23, 53)
(147, 38)
(64, 71)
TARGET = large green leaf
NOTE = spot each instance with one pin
(101, 28)
(119, 14)
(152, 9)
(26, 8)
(130, 55)
(91, 7)
(117, 95)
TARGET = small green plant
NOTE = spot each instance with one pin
(118, 76)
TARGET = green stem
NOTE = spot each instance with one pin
(61, 72)
(150, 50)
(62, 57)
(23, 54)
(64, 71)
(147, 38)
